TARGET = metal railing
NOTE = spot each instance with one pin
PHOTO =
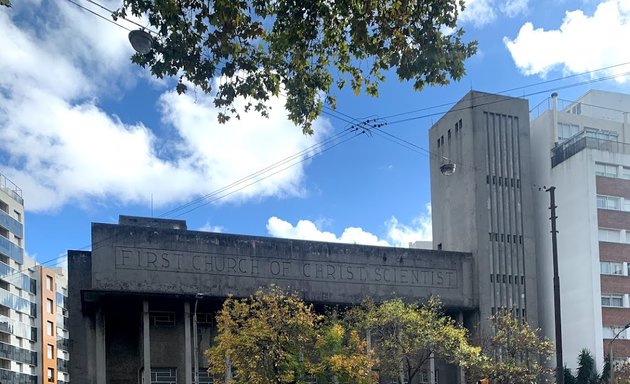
(582, 141)
(578, 108)
(11, 189)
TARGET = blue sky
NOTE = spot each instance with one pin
(88, 136)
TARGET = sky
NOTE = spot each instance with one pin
(89, 136)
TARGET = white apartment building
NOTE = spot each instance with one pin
(31, 297)
(582, 148)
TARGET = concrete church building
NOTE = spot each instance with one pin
(132, 299)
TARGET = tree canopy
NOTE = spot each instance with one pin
(273, 337)
(515, 353)
(258, 49)
(405, 336)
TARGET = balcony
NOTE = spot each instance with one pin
(7, 376)
(11, 189)
(11, 250)
(11, 224)
(16, 328)
(584, 140)
(8, 351)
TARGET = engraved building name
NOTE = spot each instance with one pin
(267, 266)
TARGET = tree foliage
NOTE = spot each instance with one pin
(305, 49)
(515, 353)
(405, 336)
(274, 337)
(587, 371)
(622, 373)
(6, 3)
(568, 376)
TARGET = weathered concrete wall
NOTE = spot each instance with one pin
(161, 263)
(162, 260)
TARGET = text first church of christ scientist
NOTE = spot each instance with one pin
(131, 298)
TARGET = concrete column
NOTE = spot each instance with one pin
(100, 348)
(625, 133)
(432, 369)
(146, 343)
(187, 344)
(228, 369)
(554, 117)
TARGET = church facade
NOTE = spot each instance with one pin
(132, 299)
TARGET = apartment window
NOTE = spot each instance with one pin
(612, 300)
(18, 216)
(50, 283)
(566, 131)
(611, 235)
(608, 202)
(625, 173)
(611, 268)
(610, 332)
(50, 351)
(607, 170)
(20, 367)
(51, 375)
(50, 328)
(601, 134)
(50, 306)
(4, 206)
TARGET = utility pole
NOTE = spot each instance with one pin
(556, 286)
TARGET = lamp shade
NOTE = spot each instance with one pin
(447, 169)
(141, 41)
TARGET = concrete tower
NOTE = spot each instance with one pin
(485, 207)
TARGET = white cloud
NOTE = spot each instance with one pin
(398, 235)
(513, 8)
(483, 12)
(207, 227)
(582, 43)
(61, 147)
(478, 12)
(419, 230)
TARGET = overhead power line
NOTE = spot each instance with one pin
(516, 89)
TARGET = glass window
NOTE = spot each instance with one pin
(608, 202)
(566, 131)
(625, 173)
(50, 306)
(611, 268)
(611, 235)
(50, 351)
(610, 332)
(50, 328)
(49, 283)
(608, 170)
(601, 134)
(612, 300)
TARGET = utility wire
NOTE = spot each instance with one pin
(254, 175)
(111, 11)
(99, 15)
(513, 89)
(206, 202)
(502, 100)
